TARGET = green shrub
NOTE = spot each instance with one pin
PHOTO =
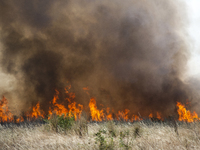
(122, 142)
(60, 123)
(103, 144)
(111, 129)
(65, 123)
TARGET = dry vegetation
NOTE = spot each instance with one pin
(105, 135)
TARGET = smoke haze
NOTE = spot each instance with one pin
(131, 54)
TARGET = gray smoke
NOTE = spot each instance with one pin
(131, 54)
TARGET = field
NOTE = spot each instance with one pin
(104, 135)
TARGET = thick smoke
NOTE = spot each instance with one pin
(131, 54)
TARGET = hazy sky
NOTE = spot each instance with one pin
(194, 32)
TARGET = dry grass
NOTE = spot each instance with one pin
(116, 136)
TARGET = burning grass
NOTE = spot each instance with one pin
(70, 108)
(104, 135)
(69, 127)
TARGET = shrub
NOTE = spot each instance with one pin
(111, 128)
(103, 144)
(60, 123)
(122, 142)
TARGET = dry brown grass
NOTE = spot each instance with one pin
(133, 136)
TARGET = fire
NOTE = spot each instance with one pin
(97, 115)
(35, 113)
(60, 109)
(186, 115)
(158, 116)
(108, 116)
(150, 115)
(70, 108)
(135, 118)
(20, 119)
(5, 115)
(123, 115)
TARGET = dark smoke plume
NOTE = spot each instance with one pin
(131, 54)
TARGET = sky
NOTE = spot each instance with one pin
(193, 10)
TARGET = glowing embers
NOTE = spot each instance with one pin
(186, 115)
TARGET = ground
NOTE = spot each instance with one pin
(106, 135)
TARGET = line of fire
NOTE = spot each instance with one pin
(75, 110)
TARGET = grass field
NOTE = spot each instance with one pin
(105, 135)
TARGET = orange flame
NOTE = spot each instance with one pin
(135, 118)
(20, 119)
(186, 115)
(150, 115)
(5, 115)
(123, 115)
(60, 109)
(35, 113)
(97, 115)
(158, 116)
(108, 116)
(75, 110)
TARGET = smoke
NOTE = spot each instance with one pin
(131, 54)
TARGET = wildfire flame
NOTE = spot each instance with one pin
(97, 115)
(108, 116)
(186, 115)
(123, 115)
(60, 109)
(36, 112)
(75, 110)
(5, 115)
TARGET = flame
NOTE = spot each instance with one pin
(70, 108)
(135, 118)
(150, 115)
(60, 109)
(97, 115)
(20, 119)
(5, 114)
(108, 116)
(158, 116)
(186, 115)
(35, 113)
(123, 115)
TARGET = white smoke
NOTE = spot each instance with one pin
(194, 33)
